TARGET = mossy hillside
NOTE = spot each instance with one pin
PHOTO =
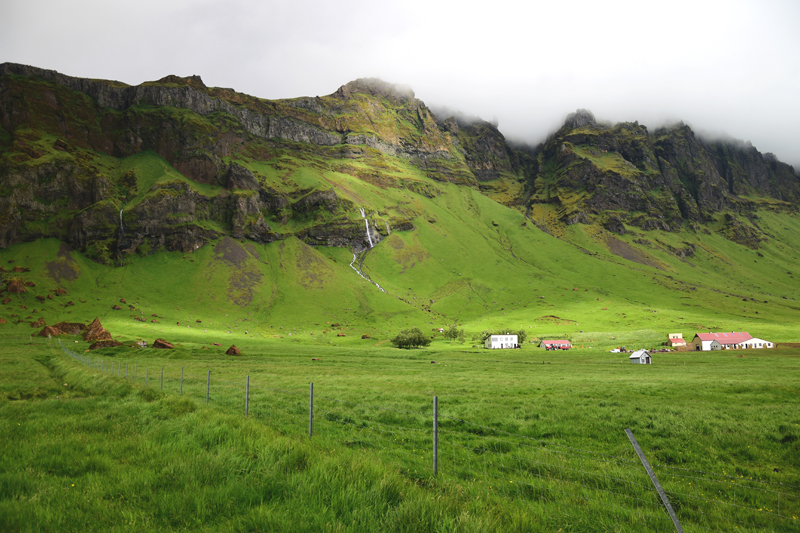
(459, 227)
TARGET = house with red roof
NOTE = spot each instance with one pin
(556, 345)
(727, 341)
(675, 340)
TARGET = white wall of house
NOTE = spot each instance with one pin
(496, 342)
(758, 343)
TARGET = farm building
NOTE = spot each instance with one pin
(495, 342)
(640, 357)
(727, 341)
(675, 340)
(556, 345)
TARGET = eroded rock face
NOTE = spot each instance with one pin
(70, 328)
(581, 117)
(96, 332)
(233, 350)
(16, 286)
(656, 181)
(162, 344)
(669, 175)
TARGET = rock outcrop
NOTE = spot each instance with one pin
(162, 344)
(96, 332)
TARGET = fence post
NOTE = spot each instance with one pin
(247, 397)
(311, 410)
(181, 381)
(654, 479)
(435, 435)
(208, 385)
(162, 378)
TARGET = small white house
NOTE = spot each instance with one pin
(640, 357)
(496, 342)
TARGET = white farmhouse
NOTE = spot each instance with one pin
(495, 342)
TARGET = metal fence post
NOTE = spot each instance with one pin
(654, 479)
(247, 397)
(208, 386)
(310, 410)
(162, 378)
(181, 381)
(435, 435)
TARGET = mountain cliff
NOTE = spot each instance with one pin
(113, 169)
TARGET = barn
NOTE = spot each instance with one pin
(495, 342)
(727, 341)
(640, 357)
(556, 345)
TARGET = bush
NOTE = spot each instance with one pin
(411, 338)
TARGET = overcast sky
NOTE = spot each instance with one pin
(729, 67)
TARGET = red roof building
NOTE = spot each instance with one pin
(734, 339)
(556, 345)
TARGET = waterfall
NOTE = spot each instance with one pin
(121, 229)
(358, 271)
(366, 222)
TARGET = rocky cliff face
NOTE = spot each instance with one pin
(113, 169)
(624, 174)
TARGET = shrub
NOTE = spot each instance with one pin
(411, 338)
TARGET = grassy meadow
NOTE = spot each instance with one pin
(88, 450)
(529, 440)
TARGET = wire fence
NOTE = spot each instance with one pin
(423, 443)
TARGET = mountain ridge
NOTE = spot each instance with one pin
(590, 172)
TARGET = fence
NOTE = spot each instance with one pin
(424, 443)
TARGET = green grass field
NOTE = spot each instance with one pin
(529, 440)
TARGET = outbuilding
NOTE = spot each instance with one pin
(496, 342)
(640, 357)
(556, 345)
(675, 340)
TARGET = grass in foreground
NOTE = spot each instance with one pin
(110, 455)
